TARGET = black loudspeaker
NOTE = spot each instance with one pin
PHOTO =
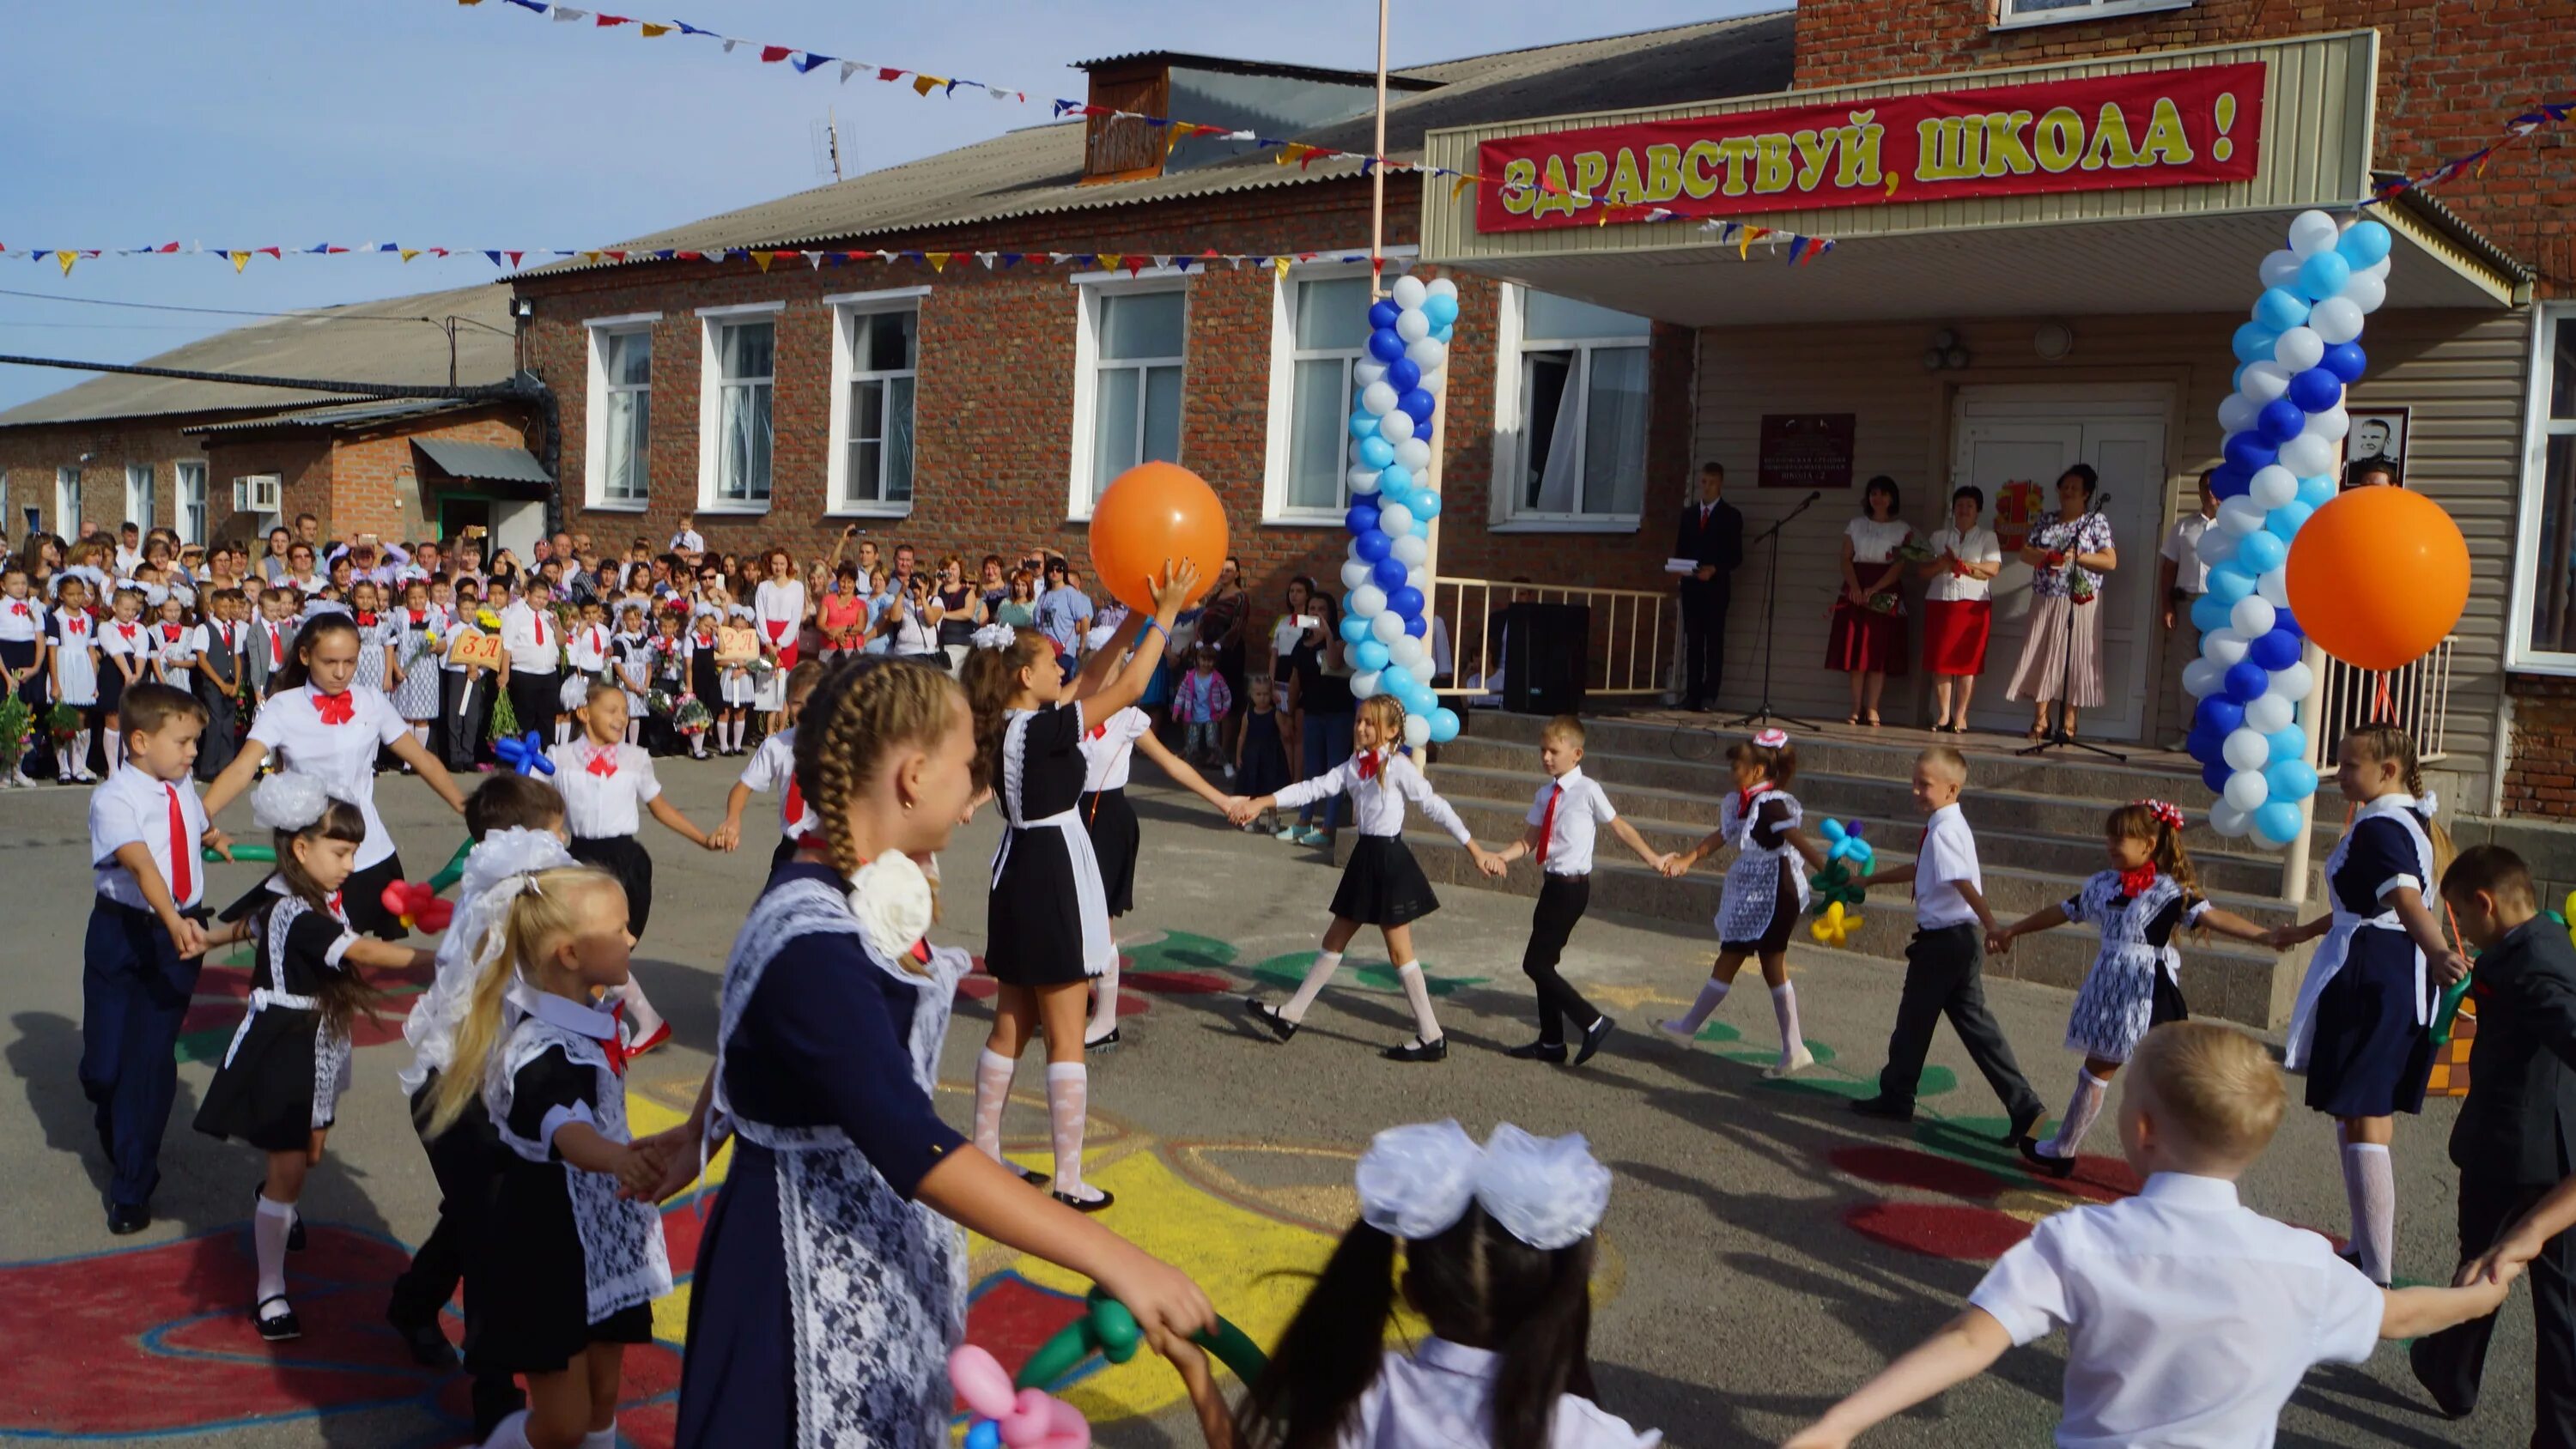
(1545, 657)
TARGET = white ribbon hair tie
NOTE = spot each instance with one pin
(1416, 1181)
(289, 801)
(994, 636)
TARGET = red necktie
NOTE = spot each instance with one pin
(1369, 765)
(1547, 824)
(335, 709)
(276, 648)
(183, 877)
(538, 618)
(334, 903)
(603, 763)
(793, 809)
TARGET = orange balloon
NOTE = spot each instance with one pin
(2378, 576)
(1155, 513)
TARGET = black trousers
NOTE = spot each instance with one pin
(1561, 902)
(536, 699)
(466, 1160)
(464, 707)
(1703, 639)
(2452, 1362)
(1942, 978)
(135, 990)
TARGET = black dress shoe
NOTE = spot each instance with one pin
(1539, 1051)
(276, 1328)
(1268, 1015)
(2353, 1256)
(1593, 1036)
(1085, 1205)
(1884, 1109)
(2416, 1355)
(1101, 1043)
(2022, 1122)
(1434, 1050)
(429, 1347)
(2048, 1162)
(125, 1218)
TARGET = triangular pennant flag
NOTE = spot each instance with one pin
(687, 29)
(437, 251)
(67, 258)
(1377, 266)
(1011, 259)
(938, 260)
(567, 13)
(272, 251)
(1797, 249)
(814, 260)
(1180, 264)
(514, 257)
(1280, 265)
(889, 73)
(1135, 266)
(999, 94)
(1162, 260)
(1064, 106)
(849, 68)
(614, 256)
(806, 63)
(1460, 185)
(730, 43)
(773, 54)
(605, 21)
(653, 31)
(986, 258)
(1109, 261)
(761, 260)
(240, 260)
(538, 6)
(590, 258)
(408, 254)
(923, 85)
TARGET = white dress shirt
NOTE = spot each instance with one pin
(1378, 801)
(773, 770)
(342, 757)
(1441, 1394)
(587, 650)
(1947, 857)
(1109, 749)
(22, 621)
(688, 541)
(132, 808)
(1976, 546)
(1582, 809)
(2182, 545)
(601, 806)
(2190, 1317)
(533, 639)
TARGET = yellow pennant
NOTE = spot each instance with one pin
(761, 260)
(240, 260)
(1743, 243)
(409, 252)
(651, 30)
(1459, 186)
(1280, 265)
(923, 85)
(938, 260)
(590, 257)
(67, 258)
(1109, 261)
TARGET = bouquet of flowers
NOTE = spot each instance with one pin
(661, 703)
(692, 717)
(1887, 601)
(2079, 586)
(505, 720)
(63, 722)
(760, 668)
(16, 720)
(1913, 552)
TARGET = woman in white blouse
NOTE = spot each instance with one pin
(1958, 608)
(778, 608)
(1868, 641)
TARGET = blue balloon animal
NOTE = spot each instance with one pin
(526, 754)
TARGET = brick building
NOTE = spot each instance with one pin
(183, 452)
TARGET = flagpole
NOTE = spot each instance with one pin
(1377, 171)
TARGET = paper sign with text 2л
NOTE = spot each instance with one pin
(2152, 128)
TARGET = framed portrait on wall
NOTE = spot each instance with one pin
(2374, 452)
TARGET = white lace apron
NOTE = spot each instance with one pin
(331, 1049)
(623, 1259)
(876, 1285)
(1752, 891)
(1099, 951)
(2337, 945)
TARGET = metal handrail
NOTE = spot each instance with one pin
(1628, 625)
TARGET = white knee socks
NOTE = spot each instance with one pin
(1426, 1027)
(1326, 963)
(1688, 1025)
(1784, 1006)
(601, 1438)
(634, 730)
(2081, 1109)
(1068, 1108)
(115, 742)
(419, 733)
(2370, 1184)
(510, 1433)
(992, 1089)
(1104, 1012)
(269, 1226)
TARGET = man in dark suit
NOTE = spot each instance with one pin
(1711, 536)
(2516, 1133)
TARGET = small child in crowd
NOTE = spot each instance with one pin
(1261, 749)
(1201, 704)
(71, 639)
(2190, 1317)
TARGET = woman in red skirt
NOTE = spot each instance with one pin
(1958, 615)
(1868, 640)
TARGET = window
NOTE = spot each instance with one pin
(67, 502)
(1570, 435)
(1325, 322)
(192, 502)
(618, 455)
(1129, 348)
(876, 359)
(735, 430)
(2545, 553)
(2012, 14)
(138, 496)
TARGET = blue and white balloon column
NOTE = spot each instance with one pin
(2285, 427)
(1386, 621)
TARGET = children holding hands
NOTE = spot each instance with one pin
(1765, 891)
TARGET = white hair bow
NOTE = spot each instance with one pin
(994, 636)
(289, 801)
(1415, 1182)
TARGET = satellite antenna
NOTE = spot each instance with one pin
(827, 146)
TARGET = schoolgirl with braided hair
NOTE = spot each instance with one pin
(2148, 892)
(830, 1282)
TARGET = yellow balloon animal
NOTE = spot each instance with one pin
(1835, 927)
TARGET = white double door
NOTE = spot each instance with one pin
(2033, 434)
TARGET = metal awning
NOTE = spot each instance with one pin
(488, 462)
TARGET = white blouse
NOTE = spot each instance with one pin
(604, 788)
(22, 621)
(1442, 1394)
(341, 756)
(1874, 542)
(773, 769)
(1378, 795)
(773, 602)
(1977, 545)
(1109, 749)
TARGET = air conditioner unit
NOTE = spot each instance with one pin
(257, 494)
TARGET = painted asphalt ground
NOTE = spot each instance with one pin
(1766, 1250)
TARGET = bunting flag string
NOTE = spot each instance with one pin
(2542, 117)
(1301, 154)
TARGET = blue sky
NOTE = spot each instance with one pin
(292, 122)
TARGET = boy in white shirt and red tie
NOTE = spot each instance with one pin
(140, 960)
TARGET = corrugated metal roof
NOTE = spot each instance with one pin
(1037, 171)
(323, 343)
(346, 415)
(490, 461)
(1231, 65)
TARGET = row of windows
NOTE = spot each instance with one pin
(141, 499)
(1570, 407)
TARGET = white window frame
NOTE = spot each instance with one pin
(2539, 428)
(847, 307)
(1511, 429)
(67, 503)
(140, 483)
(1089, 288)
(189, 490)
(596, 389)
(711, 321)
(1278, 449)
(2006, 16)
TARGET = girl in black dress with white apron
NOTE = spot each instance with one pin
(1108, 750)
(1048, 922)
(279, 1084)
(1765, 891)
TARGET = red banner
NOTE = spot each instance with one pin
(2151, 128)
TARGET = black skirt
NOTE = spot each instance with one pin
(1383, 885)
(624, 857)
(362, 899)
(1115, 837)
(1033, 921)
(111, 685)
(1784, 919)
(705, 680)
(2369, 1057)
(265, 1095)
(528, 1273)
